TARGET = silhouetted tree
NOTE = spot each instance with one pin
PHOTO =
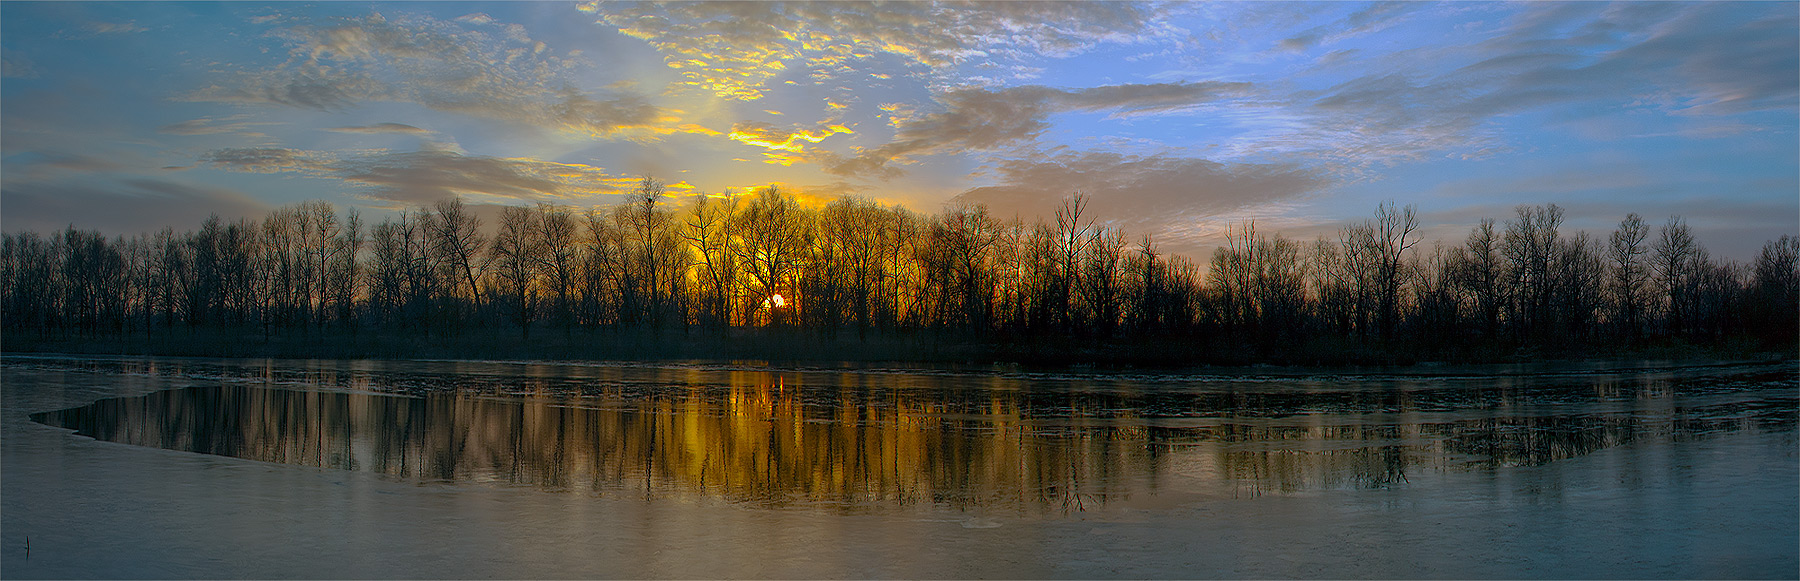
(776, 237)
(1673, 260)
(456, 239)
(721, 263)
(515, 259)
(1774, 302)
(1629, 274)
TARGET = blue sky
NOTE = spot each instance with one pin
(1175, 119)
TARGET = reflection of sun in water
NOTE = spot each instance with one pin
(774, 302)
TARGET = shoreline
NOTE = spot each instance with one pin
(1535, 367)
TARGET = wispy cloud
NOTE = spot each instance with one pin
(982, 119)
(16, 66)
(42, 164)
(272, 160)
(476, 18)
(380, 128)
(1565, 60)
(133, 205)
(1153, 192)
(428, 175)
(442, 65)
(102, 28)
(733, 49)
(1372, 18)
(211, 126)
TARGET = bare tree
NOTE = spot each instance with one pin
(959, 272)
(607, 278)
(1626, 249)
(708, 232)
(1360, 266)
(1775, 290)
(885, 269)
(387, 280)
(1071, 241)
(1393, 235)
(1102, 277)
(1579, 273)
(515, 258)
(1530, 249)
(775, 233)
(1484, 275)
(651, 246)
(559, 259)
(456, 239)
(1673, 260)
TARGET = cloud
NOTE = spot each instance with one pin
(577, 112)
(208, 126)
(39, 161)
(1154, 193)
(1569, 60)
(438, 64)
(311, 88)
(99, 28)
(133, 205)
(15, 66)
(1705, 58)
(1372, 18)
(428, 175)
(785, 146)
(982, 119)
(733, 49)
(271, 160)
(380, 128)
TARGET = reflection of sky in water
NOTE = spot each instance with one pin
(861, 440)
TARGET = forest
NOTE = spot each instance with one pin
(764, 275)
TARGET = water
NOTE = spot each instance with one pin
(1177, 474)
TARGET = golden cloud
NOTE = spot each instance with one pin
(767, 136)
(733, 49)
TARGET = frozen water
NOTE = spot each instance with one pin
(709, 470)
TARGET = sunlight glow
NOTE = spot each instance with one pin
(767, 141)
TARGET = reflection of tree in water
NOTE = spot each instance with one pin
(758, 446)
(774, 444)
(1534, 440)
(1530, 441)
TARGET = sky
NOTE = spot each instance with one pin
(1175, 120)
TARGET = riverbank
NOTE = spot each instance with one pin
(808, 347)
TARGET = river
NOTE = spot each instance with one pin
(167, 467)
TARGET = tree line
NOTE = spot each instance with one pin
(853, 268)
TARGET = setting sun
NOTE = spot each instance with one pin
(923, 289)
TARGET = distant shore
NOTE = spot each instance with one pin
(807, 347)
